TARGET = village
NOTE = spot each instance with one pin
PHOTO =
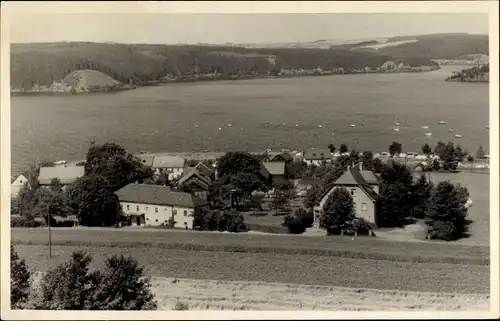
(295, 183)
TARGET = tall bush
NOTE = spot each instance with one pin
(446, 216)
(19, 279)
(120, 285)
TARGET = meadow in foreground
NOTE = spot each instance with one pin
(360, 247)
(281, 268)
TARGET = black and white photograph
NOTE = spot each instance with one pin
(330, 159)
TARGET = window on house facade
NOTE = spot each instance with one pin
(156, 209)
(185, 213)
(128, 207)
(353, 190)
(174, 212)
(146, 208)
(137, 208)
(156, 220)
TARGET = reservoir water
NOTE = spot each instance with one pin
(262, 113)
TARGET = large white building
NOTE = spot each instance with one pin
(171, 164)
(154, 205)
(316, 156)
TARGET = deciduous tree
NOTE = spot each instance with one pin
(446, 216)
(395, 148)
(426, 149)
(338, 209)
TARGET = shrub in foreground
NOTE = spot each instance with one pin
(299, 221)
(120, 285)
(19, 279)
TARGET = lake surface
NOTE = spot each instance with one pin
(164, 118)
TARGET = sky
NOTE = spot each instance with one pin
(237, 28)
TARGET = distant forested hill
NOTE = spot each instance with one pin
(44, 63)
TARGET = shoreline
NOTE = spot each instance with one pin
(207, 79)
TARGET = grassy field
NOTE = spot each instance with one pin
(281, 268)
(361, 247)
(256, 295)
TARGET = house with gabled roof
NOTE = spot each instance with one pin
(283, 157)
(204, 169)
(17, 183)
(316, 156)
(173, 165)
(66, 174)
(195, 182)
(363, 185)
(154, 205)
(277, 170)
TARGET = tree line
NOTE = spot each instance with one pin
(48, 62)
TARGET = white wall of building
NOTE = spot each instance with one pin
(173, 173)
(155, 215)
(17, 185)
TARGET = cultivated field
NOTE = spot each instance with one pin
(338, 246)
(282, 268)
(247, 295)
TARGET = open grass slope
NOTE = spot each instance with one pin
(360, 247)
(256, 295)
(281, 268)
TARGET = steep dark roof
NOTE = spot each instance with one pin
(370, 177)
(356, 173)
(286, 157)
(194, 173)
(353, 177)
(157, 195)
(204, 169)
